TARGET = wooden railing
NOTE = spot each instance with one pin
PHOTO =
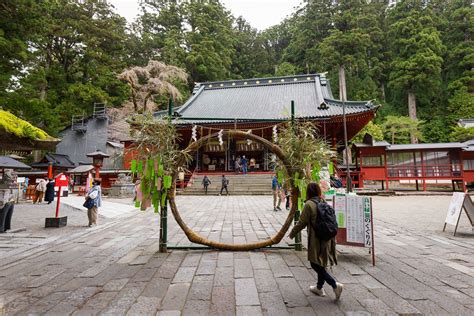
(431, 171)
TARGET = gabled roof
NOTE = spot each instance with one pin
(426, 146)
(375, 144)
(466, 146)
(58, 160)
(267, 99)
(81, 169)
(10, 163)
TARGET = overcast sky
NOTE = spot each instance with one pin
(259, 13)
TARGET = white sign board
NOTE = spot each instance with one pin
(455, 207)
(355, 219)
(20, 180)
(458, 202)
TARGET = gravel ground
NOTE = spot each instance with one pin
(423, 213)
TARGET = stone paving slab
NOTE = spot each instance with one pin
(114, 269)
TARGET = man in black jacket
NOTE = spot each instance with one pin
(225, 183)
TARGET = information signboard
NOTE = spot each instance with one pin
(459, 201)
(355, 221)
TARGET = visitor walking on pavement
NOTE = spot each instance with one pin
(95, 195)
(243, 163)
(321, 252)
(276, 194)
(49, 195)
(225, 183)
(39, 191)
(205, 183)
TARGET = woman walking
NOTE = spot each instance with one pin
(95, 197)
(49, 195)
(320, 252)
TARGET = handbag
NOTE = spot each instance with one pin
(89, 203)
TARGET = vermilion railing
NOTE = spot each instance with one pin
(432, 171)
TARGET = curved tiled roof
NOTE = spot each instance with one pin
(267, 99)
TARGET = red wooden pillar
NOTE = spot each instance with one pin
(423, 173)
(334, 147)
(361, 177)
(97, 169)
(50, 170)
(461, 168)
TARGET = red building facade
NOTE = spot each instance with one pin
(418, 163)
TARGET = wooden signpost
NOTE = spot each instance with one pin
(355, 221)
(459, 201)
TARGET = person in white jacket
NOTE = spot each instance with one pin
(95, 194)
(39, 191)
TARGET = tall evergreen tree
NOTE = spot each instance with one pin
(417, 52)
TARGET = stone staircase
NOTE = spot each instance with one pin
(250, 184)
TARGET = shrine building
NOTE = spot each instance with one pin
(258, 105)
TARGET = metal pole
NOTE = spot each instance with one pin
(170, 108)
(58, 202)
(164, 227)
(164, 208)
(298, 246)
(348, 172)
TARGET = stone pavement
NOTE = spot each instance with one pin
(111, 209)
(114, 269)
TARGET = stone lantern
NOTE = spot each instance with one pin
(97, 161)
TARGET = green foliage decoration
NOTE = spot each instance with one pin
(157, 157)
(305, 150)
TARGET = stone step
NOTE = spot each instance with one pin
(230, 193)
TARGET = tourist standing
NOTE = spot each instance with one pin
(320, 252)
(39, 191)
(224, 183)
(287, 192)
(205, 183)
(95, 194)
(237, 164)
(276, 194)
(49, 195)
(243, 163)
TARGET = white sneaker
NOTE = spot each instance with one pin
(338, 290)
(315, 290)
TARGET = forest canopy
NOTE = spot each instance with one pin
(59, 57)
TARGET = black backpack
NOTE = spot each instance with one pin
(325, 224)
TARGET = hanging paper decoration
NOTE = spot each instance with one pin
(219, 135)
(275, 134)
(248, 140)
(194, 133)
